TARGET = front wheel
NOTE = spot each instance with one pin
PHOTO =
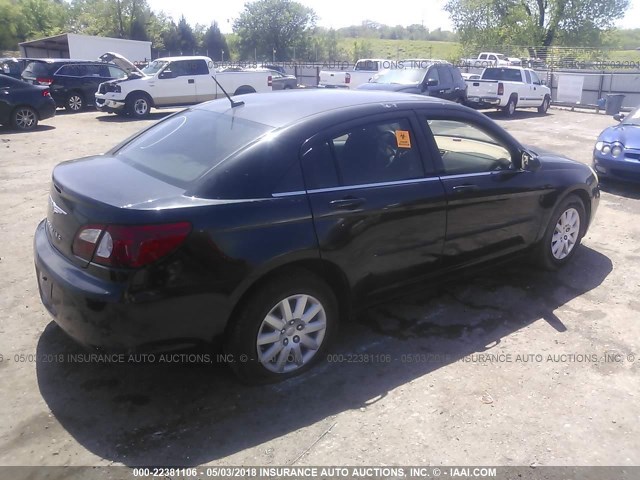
(545, 105)
(564, 233)
(283, 329)
(138, 106)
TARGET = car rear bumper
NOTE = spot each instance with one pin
(47, 110)
(623, 170)
(483, 102)
(104, 314)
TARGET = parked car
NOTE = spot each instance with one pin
(616, 154)
(441, 80)
(172, 81)
(362, 72)
(73, 86)
(506, 88)
(39, 71)
(13, 67)
(280, 81)
(489, 59)
(267, 224)
(22, 105)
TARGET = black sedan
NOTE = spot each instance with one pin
(267, 230)
(23, 105)
(616, 154)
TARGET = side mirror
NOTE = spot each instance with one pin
(619, 117)
(432, 82)
(530, 163)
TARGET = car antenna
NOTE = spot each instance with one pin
(233, 103)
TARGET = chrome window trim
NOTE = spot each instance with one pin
(352, 187)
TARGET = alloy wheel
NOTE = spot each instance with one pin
(25, 118)
(75, 103)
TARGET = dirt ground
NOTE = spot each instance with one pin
(512, 367)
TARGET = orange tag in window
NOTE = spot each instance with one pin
(403, 139)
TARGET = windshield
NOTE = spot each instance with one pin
(154, 67)
(405, 76)
(187, 145)
(633, 118)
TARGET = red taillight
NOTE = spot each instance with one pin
(46, 93)
(44, 80)
(500, 88)
(129, 246)
(347, 78)
(269, 81)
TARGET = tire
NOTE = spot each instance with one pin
(510, 108)
(138, 105)
(563, 234)
(24, 118)
(545, 105)
(263, 316)
(74, 102)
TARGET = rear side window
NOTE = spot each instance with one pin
(37, 69)
(184, 147)
(379, 152)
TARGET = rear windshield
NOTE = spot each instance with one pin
(185, 146)
(505, 74)
(38, 69)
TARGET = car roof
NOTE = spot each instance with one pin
(279, 109)
(173, 59)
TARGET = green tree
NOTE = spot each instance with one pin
(270, 28)
(533, 22)
(10, 15)
(215, 43)
(41, 18)
(186, 37)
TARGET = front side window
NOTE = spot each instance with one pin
(444, 72)
(534, 77)
(433, 74)
(465, 148)
(378, 152)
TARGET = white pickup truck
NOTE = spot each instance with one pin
(490, 59)
(172, 81)
(362, 71)
(507, 88)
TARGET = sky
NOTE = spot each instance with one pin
(339, 13)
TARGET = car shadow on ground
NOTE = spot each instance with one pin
(621, 189)
(111, 118)
(189, 414)
(7, 130)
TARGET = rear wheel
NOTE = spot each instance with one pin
(74, 102)
(244, 90)
(510, 108)
(138, 105)
(283, 329)
(545, 105)
(564, 233)
(24, 118)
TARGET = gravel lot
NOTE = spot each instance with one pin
(545, 397)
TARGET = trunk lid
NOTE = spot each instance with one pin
(106, 193)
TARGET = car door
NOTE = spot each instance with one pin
(174, 85)
(376, 214)
(446, 89)
(493, 206)
(205, 85)
(539, 91)
(431, 82)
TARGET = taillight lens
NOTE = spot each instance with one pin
(46, 93)
(129, 246)
(500, 88)
(347, 78)
(44, 80)
(269, 81)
